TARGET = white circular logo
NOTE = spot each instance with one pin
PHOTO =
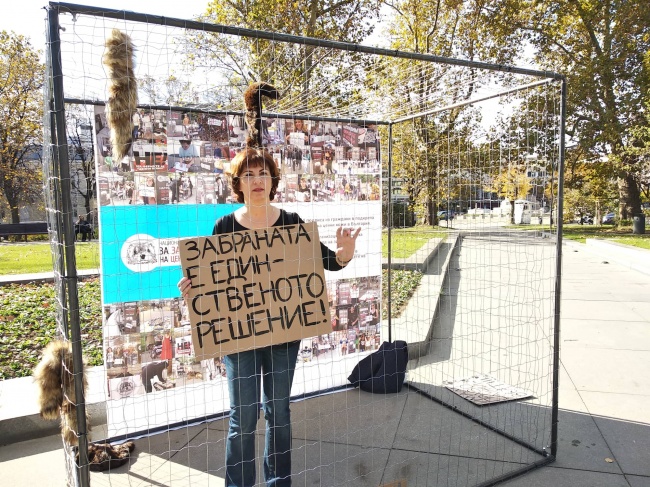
(140, 253)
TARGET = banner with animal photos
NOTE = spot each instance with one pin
(174, 185)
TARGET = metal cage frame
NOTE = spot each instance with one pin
(61, 223)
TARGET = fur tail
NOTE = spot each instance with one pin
(253, 102)
(54, 376)
(122, 91)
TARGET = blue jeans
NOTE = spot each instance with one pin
(275, 366)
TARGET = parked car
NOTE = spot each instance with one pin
(609, 219)
(446, 215)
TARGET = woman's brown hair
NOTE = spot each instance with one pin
(248, 158)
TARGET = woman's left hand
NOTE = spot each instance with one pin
(346, 239)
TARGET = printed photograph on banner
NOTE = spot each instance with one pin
(356, 150)
(297, 154)
(328, 188)
(213, 188)
(148, 348)
(116, 183)
(151, 188)
(330, 148)
(322, 140)
(115, 188)
(355, 318)
(198, 143)
(149, 141)
(183, 188)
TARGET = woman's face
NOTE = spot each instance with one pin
(298, 125)
(255, 184)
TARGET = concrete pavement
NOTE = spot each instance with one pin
(362, 439)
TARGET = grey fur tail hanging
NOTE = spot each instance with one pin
(122, 102)
(54, 376)
(253, 102)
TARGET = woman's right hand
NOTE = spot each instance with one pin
(184, 286)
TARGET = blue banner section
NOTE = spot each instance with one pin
(138, 247)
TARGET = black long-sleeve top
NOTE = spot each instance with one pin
(229, 224)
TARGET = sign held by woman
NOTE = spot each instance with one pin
(255, 288)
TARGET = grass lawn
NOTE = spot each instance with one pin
(17, 258)
(405, 241)
(580, 233)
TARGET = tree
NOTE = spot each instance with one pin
(512, 183)
(21, 130)
(600, 45)
(167, 91)
(81, 150)
(422, 157)
(289, 66)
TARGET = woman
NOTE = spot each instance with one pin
(268, 370)
(255, 178)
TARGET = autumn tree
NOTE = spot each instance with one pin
(600, 45)
(512, 183)
(21, 112)
(289, 66)
(443, 28)
(167, 91)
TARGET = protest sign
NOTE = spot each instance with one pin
(255, 288)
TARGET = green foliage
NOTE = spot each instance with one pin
(290, 67)
(405, 241)
(601, 46)
(580, 233)
(403, 285)
(428, 151)
(21, 113)
(28, 324)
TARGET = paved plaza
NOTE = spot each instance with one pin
(494, 285)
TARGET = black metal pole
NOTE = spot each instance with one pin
(212, 111)
(53, 188)
(474, 100)
(558, 274)
(276, 36)
(70, 271)
(389, 216)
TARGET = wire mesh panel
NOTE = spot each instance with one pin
(442, 164)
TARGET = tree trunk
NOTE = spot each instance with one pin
(630, 197)
(15, 215)
(13, 204)
(431, 211)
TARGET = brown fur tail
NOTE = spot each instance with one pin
(253, 102)
(104, 456)
(54, 377)
(122, 91)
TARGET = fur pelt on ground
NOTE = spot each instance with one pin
(122, 91)
(253, 102)
(104, 456)
(54, 376)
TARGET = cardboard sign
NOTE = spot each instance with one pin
(255, 288)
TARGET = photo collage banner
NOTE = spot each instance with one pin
(174, 185)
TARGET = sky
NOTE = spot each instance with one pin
(27, 17)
